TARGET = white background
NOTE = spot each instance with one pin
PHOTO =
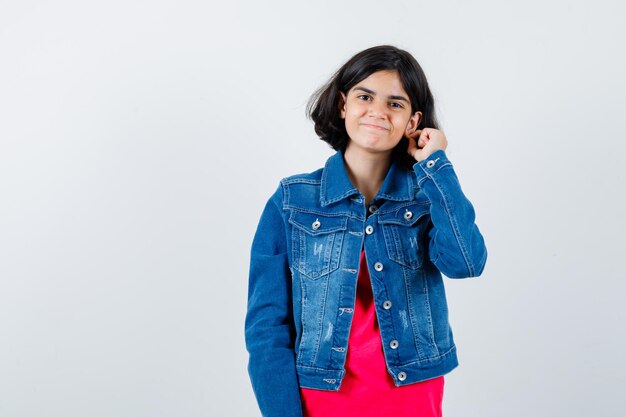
(139, 141)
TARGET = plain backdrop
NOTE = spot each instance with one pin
(139, 141)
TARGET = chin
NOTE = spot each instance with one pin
(378, 145)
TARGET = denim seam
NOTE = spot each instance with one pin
(430, 359)
(320, 369)
(289, 181)
(321, 323)
(321, 213)
(455, 228)
(431, 329)
(411, 317)
(396, 208)
(302, 321)
(285, 190)
(428, 174)
(318, 232)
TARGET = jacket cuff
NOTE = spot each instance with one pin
(429, 166)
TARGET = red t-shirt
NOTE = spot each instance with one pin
(367, 389)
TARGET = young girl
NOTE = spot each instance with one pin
(347, 313)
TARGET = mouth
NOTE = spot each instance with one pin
(373, 126)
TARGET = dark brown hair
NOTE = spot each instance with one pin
(324, 105)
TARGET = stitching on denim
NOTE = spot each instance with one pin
(290, 181)
(285, 196)
(410, 303)
(320, 213)
(324, 370)
(341, 197)
(430, 359)
(355, 233)
(445, 164)
(455, 229)
(324, 182)
(323, 231)
(304, 332)
(322, 318)
(325, 214)
(352, 271)
(430, 174)
(431, 329)
(403, 205)
(321, 321)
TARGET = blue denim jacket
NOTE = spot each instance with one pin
(304, 268)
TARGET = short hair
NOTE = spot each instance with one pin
(324, 105)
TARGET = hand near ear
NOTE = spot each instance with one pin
(429, 140)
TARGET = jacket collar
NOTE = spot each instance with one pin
(336, 185)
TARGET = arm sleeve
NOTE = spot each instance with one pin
(269, 328)
(456, 246)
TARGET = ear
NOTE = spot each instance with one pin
(342, 105)
(414, 122)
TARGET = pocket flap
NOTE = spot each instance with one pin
(405, 215)
(316, 224)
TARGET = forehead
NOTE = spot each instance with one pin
(387, 81)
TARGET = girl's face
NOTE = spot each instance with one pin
(377, 112)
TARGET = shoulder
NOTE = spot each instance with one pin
(304, 178)
(301, 189)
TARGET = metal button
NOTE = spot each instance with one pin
(393, 344)
(316, 224)
(430, 163)
(408, 215)
(378, 266)
(369, 230)
(387, 305)
(402, 376)
(373, 208)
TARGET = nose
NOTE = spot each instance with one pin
(377, 109)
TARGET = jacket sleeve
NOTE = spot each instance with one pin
(269, 328)
(456, 246)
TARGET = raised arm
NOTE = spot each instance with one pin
(456, 246)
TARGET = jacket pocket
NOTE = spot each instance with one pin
(316, 242)
(405, 231)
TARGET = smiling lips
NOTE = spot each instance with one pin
(373, 126)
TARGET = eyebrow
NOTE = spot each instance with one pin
(367, 90)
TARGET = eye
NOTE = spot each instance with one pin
(363, 97)
(396, 105)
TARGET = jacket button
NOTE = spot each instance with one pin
(402, 376)
(369, 230)
(378, 266)
(387, 305)
(408, 215)
(316, 224)
(393, 344)
(430, 163)
(373, 208)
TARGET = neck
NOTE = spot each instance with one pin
(366, 170)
